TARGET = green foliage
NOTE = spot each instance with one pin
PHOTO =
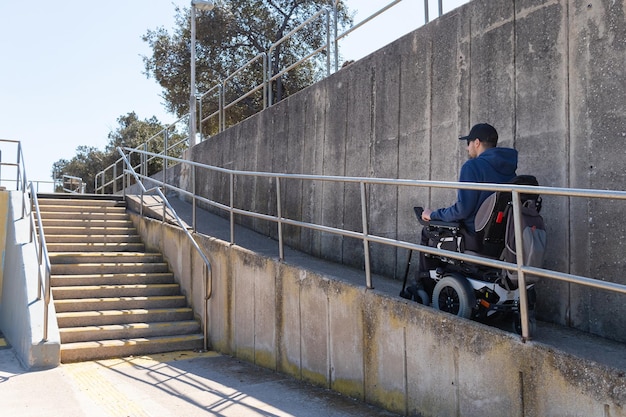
(231, 35)
(131, 133)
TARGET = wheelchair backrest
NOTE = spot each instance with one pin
(491, 218)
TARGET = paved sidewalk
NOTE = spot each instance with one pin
(178, 384)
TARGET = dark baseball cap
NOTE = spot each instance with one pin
(483, 131)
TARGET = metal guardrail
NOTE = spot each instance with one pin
(367, 237)
(215, 97)
(208, 281)
(73, 185)
(30, 209)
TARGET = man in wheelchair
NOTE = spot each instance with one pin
(487, 163)
(464, 289)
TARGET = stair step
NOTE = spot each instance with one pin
(129, 330)
(120, 222)
(116, 303)
(112, 279)
(97, 202)
(106, 317)
(66, 215)
(82, 351)
(128, 290)
(59, 258)
(111, 297)
(82, 207)
(132, 238)
(108, 268)
(89, 230)
(95, 247)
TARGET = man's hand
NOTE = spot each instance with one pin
(426, 214)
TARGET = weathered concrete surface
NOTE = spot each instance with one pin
(21, 310)
(549, 75)
(317, 322)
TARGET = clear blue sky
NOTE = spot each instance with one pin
(69, 69)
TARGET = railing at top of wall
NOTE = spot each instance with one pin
(73, 185)
(30, 210)
(367, 237)
(215, 97)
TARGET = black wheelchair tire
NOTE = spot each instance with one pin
(453, 294)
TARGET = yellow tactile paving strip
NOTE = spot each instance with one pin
(90, 378)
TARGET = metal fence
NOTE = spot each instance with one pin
(214, 104)
(364, 234)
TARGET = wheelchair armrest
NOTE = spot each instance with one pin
(445, 225)
(434, 223)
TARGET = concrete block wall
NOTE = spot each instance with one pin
(549, 75)
(366, 344)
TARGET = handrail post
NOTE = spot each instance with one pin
(327, 43)
(232, 206)
(144, 161)
(366, 247)
(221, 99)
(207, 295)
(521, 279)
(199, 104)
(265, 89)
(270, 96)
(194, 200)
(17, 180)
(279, 213)
(335, 35)
(115, 179)
(208, 292)
(165, 149)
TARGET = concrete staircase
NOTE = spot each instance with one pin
(112, 298)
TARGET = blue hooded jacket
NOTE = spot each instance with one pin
(494, 165)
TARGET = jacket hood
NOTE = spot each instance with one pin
(502, 160)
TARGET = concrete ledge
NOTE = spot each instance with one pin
(328, 329)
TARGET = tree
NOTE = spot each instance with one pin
(131, 133)
(231, 35)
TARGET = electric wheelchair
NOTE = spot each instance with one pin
(475, 291)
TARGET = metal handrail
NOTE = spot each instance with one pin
(75, 184)
(208, 282)
(38, 237)
(367, 238)
(30, 209)
(267, 78)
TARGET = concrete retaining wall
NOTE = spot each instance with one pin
(549, 75)
(381, 349)
(21, 313)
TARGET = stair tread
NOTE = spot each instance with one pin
(124, 312)
(113, 286)
(108, 263)
(106, 253)
(116, 299)
(126, 326)
(131, 341)
(112, 275)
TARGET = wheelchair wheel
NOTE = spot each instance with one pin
(454, 295)
(532, 323)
